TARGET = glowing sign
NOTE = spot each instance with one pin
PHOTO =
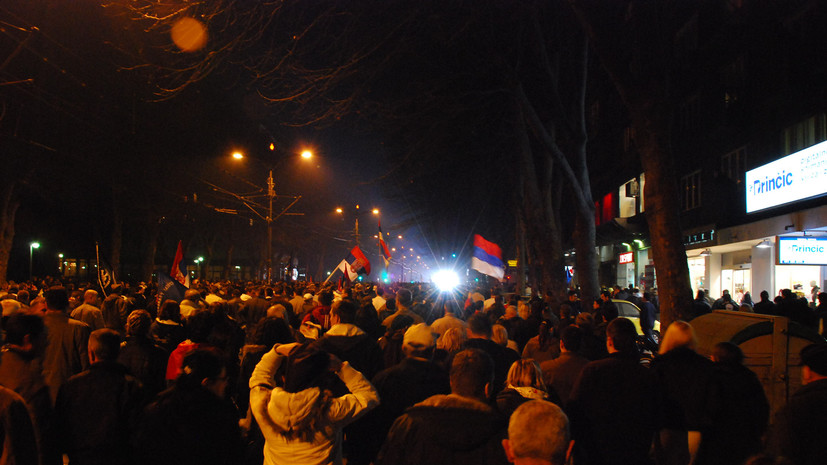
(802, 250)
(628, 257)
(795, 177)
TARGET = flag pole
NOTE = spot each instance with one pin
(98, 261)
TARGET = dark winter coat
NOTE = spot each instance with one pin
(615, 410)
(449, 430)
(798, 429)
(740, 419)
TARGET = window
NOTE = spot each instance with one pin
(734, 164)
(733, 78)
(691, 185)
(804, 134)
(629, 194)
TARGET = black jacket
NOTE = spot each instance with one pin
(615, 409)
(96, 413)
(798, 429)
(449, 430)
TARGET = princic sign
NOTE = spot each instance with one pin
(802, 250)
(795, 177)
(628, 257)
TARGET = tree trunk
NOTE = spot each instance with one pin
(586, 257)
(663, 215)
(228, 267)
(635, 52)
(8, 209)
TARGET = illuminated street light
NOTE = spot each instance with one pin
(375, 211)
(32, 246)
(271, 194)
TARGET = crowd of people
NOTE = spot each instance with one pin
(307, 373)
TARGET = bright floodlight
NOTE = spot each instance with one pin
(238, 155)
(307, 154)
(445, 280)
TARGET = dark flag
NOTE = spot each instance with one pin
(169, 289)
(106, 277)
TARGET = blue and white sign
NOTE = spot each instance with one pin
(795, 177)
(802, 250)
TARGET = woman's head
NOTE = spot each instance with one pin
(526, 373)
(272, 330)
(203, 368)
(499, 335)
(170, 310)
(678, 334)
(452, 340)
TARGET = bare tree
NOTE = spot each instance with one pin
(633, 40)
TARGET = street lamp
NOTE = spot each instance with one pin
(341, 211)
(32, 246)
(271, 194)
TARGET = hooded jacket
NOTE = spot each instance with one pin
(350, 343)
(446, 429)
(277, 410)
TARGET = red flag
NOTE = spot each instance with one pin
(383, 248)
(360, 264)
(178, 271)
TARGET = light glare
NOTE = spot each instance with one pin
(445, 280)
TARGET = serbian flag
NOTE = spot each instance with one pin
(179, 270)
(347, 271)
(360, 263)
(488, 258)
(383, 248)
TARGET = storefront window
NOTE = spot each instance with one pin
(697, 274)
(798, 278)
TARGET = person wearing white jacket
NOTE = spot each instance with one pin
(301, 421)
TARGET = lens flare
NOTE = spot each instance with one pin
(445, 280)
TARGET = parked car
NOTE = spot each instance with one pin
(631, 311)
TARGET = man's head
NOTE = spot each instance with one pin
(727, 352)
(343, 313)
(57, 298)
(620, 336)
(404, 298)
(451, 307)
(138, 323)
(90, 297)
(813, 363)
(573, 296)
(765, 295)
(538, 433)
(571, 338)
(104, 345)
(326, 298)
(26, 333)
(418, 341)
(472, 373)
(479, 327)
